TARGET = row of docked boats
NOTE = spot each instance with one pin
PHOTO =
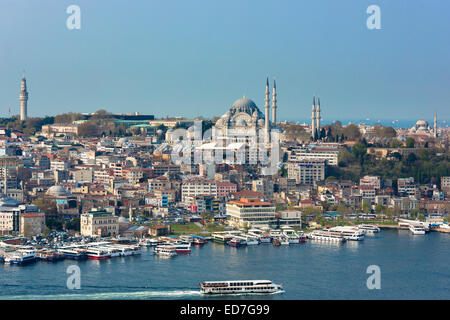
(344, 233)
(285, 235)
(26, 254)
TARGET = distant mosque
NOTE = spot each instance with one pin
(244, 126)
(244, 120)
(423, 128)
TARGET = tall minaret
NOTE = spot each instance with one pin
(23, 99)
(318, 115)
(435, 125)
(274, 103)
(313, 118)
(266, 107)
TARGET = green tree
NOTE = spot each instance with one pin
(410, 142)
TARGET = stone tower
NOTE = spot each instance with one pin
(313, 119)
(266, 108)
(23, 99)
(318, 116)
(274, 103)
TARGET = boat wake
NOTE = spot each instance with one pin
(139, 295)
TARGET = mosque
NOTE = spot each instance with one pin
(423, 128)
(243, 128)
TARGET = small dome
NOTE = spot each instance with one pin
(6, 201)
(422, 123)
(57, 191)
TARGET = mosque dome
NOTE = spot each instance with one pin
(244, 105)
(422, 123)
(57, 191)
(6, 201)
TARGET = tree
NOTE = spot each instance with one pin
(359, 150)
(410, 142)
(89, 129)
(379, 208)
(365, 207)
(351, 131)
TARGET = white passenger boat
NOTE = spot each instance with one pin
(416, 228)
(326, 235)
(369, 228)
(251, 240)
(179, 247)
(262, 236)
(165, 251)
(97, 254)
(21, 256)
(292, 236)
(113, 252)
(240, 287)
(73, 253)
(349, 232)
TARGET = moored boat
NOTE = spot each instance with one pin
(165, 251)
(21, 256)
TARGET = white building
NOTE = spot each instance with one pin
(250, 213)
(99, 223)
(306, 171)
(195, 187)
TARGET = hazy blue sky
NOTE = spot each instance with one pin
(179, 57)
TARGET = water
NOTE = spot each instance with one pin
(412, 267)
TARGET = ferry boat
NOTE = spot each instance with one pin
(49, 255)
(97, 254)
(240, 287)
(197, 240)
(113, 252)
(291, 235)
(165, 251)
(369, 228)
(153, 242)
(237, 242)
(275, 233)
(326, 235)
(182, 247)
(416, 229)
(73, 253)
(349, 233)
(145, 242)
(188, 239)
(220, 237)
(263, 237)
(251, 240)
(21, 256)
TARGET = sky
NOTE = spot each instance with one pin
(195, 58)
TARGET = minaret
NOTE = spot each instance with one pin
(23, 99)
(318, 116)
(274, 103)
(435, 125)
(313, 118)
(266, 107)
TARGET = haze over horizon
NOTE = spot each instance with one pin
(196, 58)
